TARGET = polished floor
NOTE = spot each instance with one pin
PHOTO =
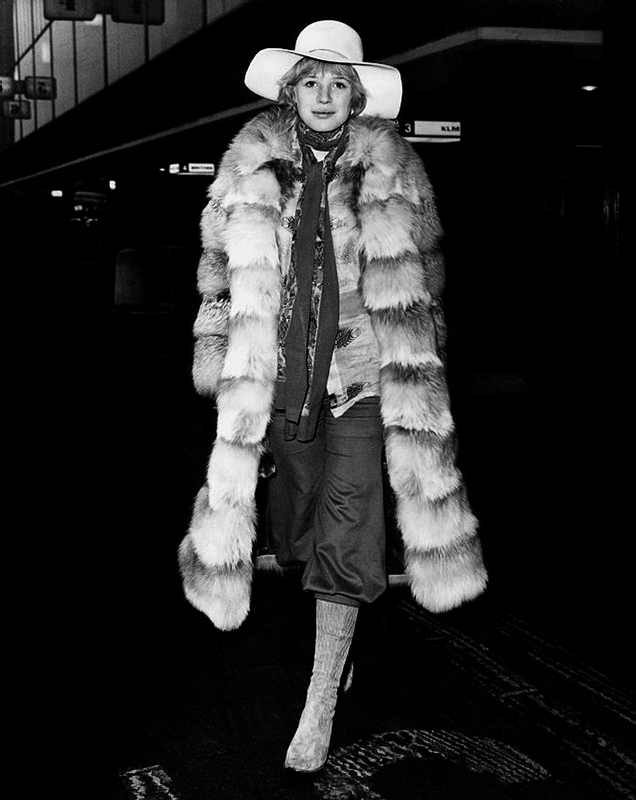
(524, 694)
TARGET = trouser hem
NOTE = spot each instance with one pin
(342, 599)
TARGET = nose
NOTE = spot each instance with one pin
(324, 93)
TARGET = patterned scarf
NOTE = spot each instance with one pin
(313, 327)
(319, 140)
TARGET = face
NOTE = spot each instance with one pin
(323, 100)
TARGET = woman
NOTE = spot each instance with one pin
(321, 331)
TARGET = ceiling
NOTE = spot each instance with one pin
(500, 66)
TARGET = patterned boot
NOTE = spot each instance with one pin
(335, 624)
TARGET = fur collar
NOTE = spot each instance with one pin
(271, 137)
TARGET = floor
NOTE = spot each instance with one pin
(526, 693)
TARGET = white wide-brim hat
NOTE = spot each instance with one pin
(336, 43)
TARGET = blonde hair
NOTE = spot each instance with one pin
(311, 66)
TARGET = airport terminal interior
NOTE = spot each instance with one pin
(115, 116)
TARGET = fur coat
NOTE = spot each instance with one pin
(383, 215)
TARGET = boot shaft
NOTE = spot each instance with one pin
(335, 625)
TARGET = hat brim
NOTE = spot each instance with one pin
(382, 83)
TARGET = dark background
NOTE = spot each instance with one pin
(529, 204)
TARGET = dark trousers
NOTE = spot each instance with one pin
(325, 504)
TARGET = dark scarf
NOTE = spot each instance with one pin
(306, 382)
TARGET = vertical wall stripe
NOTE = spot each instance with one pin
(35, 66)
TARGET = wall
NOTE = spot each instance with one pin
(86, 56)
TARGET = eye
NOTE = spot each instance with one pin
(309, 83)
(340, 84)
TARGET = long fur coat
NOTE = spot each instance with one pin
(384, 216)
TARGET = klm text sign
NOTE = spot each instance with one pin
(431, 131)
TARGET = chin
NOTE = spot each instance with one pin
(325, 125)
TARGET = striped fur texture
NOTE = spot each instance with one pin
(384, 217)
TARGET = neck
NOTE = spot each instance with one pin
(319, 140)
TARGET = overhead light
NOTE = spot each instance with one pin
(112, 185)
(45, 51)
(589, 87)
(57, 193)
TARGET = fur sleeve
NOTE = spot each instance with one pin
(402, 285)
(428, 231)
(428, 236)
(211, 324)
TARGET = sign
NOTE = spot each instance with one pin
(16, 109)
(200, 169)
(138, 12)
(7, 87)
(430, 131)
(192, 168)
(40, 88)
(69, 9)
